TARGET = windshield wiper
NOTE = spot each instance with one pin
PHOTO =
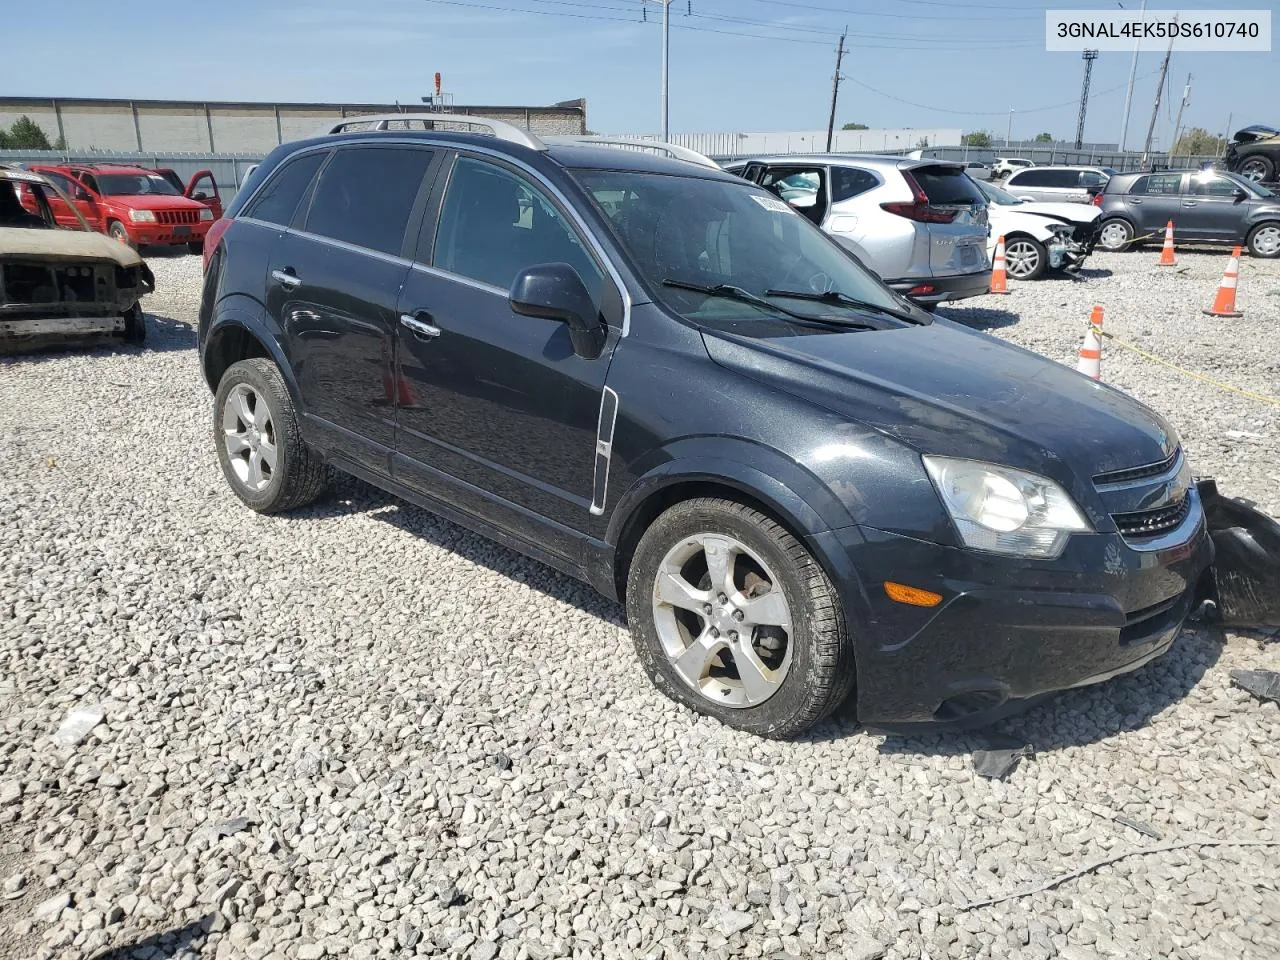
(844, 300)
(730, 292)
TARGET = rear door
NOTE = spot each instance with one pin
(959, 245)
(1156, 199)
(203, 188)
(333, 285)
(1213, 210)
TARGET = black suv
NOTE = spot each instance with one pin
(662, 380)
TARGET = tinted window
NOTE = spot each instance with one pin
(848, 182)
(1045, 178)
(495, 223)
(1213, 187)
(1089, 178)
(62, 183)
(365, 196)
(278, 198)
(1159, 184)
(946, 185)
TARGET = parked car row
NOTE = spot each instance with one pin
(665, 380)
(135, 205)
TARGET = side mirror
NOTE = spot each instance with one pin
(1241, 194)
(199, 195)
(554, 291)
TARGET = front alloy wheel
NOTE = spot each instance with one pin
(733, 617)
(1257, 169)
(1025, 258)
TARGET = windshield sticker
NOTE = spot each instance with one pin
(772, 204)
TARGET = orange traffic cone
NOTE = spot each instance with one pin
(1166, 255)
(1090, 362)
(999, 279)
(1224, 304)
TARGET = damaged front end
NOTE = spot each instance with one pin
(1070, 245)
(1243, 584)
(46, 297)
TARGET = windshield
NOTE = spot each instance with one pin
(712, 233)
(135, 184)
(996, 195)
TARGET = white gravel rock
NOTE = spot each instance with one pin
(310, 713)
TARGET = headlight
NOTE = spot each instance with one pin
(1061, 229)
(206, 213)
(1003, 510)
(142, 216)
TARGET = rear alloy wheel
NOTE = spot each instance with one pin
(1025, 258)
(1258, 169)
(733, 617)
(262, 453)
(1264, 241)
(1115, 235)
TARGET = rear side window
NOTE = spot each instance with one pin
(848, 182)
(1091, 178)
(1158, 185)
(944, 185)
(1046, 178)
(277, 201)
(366, 194)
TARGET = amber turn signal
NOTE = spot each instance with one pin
(911, 595)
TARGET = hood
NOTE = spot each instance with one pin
(1255, 133)
(1062, 212)
(65, 245)
(949, 390)
(155, 201)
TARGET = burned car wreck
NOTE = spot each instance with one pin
(58, 279)
(1254, 153)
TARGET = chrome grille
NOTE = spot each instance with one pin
(1144, 472)
(1145, 524)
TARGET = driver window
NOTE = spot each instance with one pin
(1213, 187)
(803, 187)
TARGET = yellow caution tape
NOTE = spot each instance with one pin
(1260, 397)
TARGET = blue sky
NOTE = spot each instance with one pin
(958, 64)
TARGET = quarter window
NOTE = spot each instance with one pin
(278, 200)
(365, 196)
(495, 223)
(847, 182)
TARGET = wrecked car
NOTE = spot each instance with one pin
(1039, 237)
(58, 278)
(1254, 153)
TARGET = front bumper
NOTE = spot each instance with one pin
(166, 234)
(1008, 631)
(956, 287)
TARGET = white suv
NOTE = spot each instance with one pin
(1003, 166)
(920, 224)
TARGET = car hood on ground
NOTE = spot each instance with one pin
(65, 245)
(948, 390)
(1062, 212)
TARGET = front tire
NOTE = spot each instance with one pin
(734, 618)
(1258, 169)
(1264, 240)
(255, 430)
(1116, 235)
(1025, 258)
(135, 325)
(117, 232)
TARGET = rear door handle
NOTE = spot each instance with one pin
(1136, 200)
(1188, 203)
(286, 278)
(419, 325)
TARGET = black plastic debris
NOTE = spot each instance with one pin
(1263, 684)
(1244, 581)
(1001, 758)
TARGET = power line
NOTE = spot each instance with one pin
(891, 16)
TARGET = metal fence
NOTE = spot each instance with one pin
(1049, 154)
(229, 170)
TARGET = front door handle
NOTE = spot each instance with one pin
(286, 278)
(1188, 203)
(418, 325)
(1136, 200)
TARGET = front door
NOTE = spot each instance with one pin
(204, 189)
(497, 414)
(805, 188)
(333, 287)
(1154, 201)
(80, 196)
(1214, 210)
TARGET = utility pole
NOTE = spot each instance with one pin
(1088, 56)
(1133, 73)
(1008, 134)
(664, 112)
(1177, 124)
(1155, 110)
(835, 90)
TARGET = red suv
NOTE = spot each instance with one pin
(135, 205)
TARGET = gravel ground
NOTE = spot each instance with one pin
(360, 731)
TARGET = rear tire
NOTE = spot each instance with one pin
(797, 658)
(255, 430)
(1116, 234)
(1264, 240)
(196, 247)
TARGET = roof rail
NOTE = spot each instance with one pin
(383, 121)
(657, 146)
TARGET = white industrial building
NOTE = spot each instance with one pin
(809, 141)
